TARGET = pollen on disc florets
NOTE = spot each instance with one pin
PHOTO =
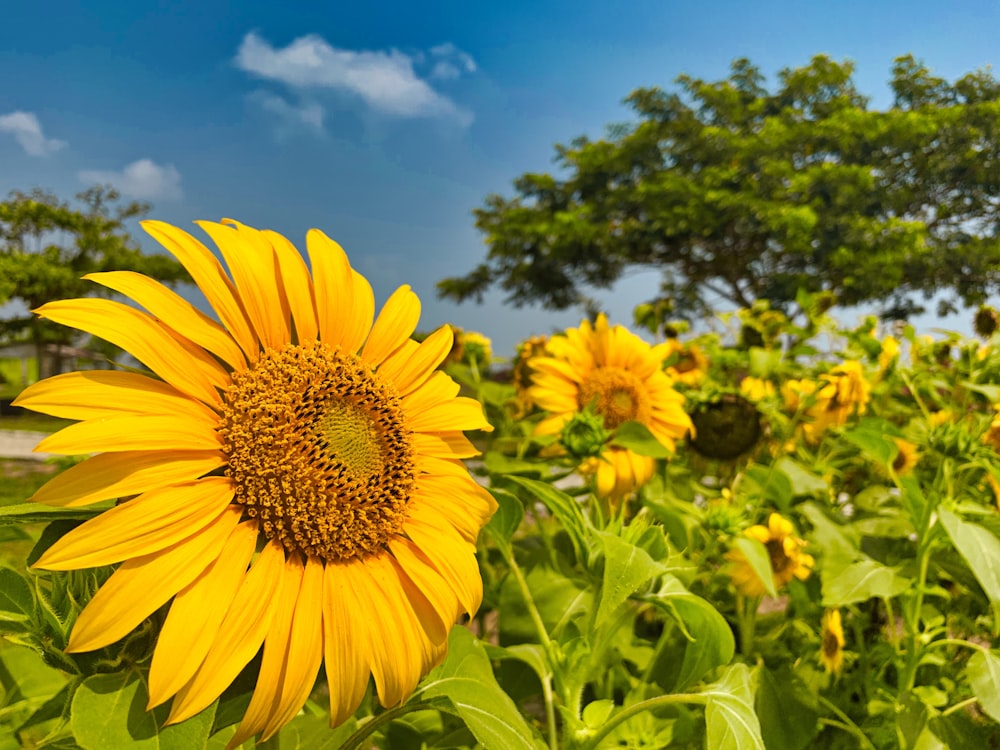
(318, 451)
(617, 395)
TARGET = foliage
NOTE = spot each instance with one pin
(47, 246)
(627, 625)
(739, 193)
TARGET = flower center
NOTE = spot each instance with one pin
(831, 644)
(318, 451)
(617, 395)
(780, 561)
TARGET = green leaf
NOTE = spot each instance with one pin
(801, 480)
(979, 548)
(983, 673)
(637, 438)
(466, 679)
(787, 709)
(859, 582)
(17, 602)
(768, 484)
(37, 513)
(710, 639)
(597, 712)
(874, 438)
(109, 711)
(626, 568)
(729, 714)
(508, 516)
(760, 561)
(563, 507)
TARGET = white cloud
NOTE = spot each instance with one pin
(310, 114)
(26, 129)
(143, 179)
(385, 81)
(454, 58)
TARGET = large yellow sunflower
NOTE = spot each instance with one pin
(297, 478)
(619, 375)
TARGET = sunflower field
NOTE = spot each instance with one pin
(302, 524)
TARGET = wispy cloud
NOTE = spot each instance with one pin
(143, 179)
(308, 114)
(451, 62)
(385, 80)
(27, 131)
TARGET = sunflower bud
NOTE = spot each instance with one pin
(584, 435)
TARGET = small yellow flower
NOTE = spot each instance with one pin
(906, 456)
(522, 373)
(831, 653)
(756, 389)
(992, 435)
(476, 346)
(889, 353)
(686, 362)
(938, 418)
(788, 561)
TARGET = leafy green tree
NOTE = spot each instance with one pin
(46, 246)
(738, 193)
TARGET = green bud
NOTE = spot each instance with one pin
(584, 435)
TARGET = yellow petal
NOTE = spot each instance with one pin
(345, 647)
(438, 388)
(407, 368)
(196, 614)
(423, 577)
(298, 286)
(175, 312)
(292, 656)
(453, 557)
(239, 637)
(142, 526)
(254, 270)
(264, 701)
(461, 413)
(443, 445)
(113, 475)
(398, 644)
(466, 504)
(359, 317)
(186, 367)
(143, 584)
(211, 279)
(395, 324)
(128, 433)
(108, 393)
(333, 283)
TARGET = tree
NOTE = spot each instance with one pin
(737, 194)
(46, 246)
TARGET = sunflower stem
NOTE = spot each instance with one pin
(845, 723)
(369, 727)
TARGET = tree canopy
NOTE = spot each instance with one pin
(738, 193)
(46, 246)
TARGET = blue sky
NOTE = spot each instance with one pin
(385, 124)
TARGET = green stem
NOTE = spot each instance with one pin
(368, 728)
(636, 708)
(746, 608)
(959, 706)
(845, 723)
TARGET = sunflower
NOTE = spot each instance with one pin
(906, 456)
(296, 472)
(788, 561)
(685, 363)
(617, 374)
(831, 653)
(521, 373)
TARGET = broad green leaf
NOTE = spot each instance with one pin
(787, 709)
(760, 561)
(768, 483)
(508, 516)
(17, 602)
(710, 639)
(558, 599)
(37, 513)
(983, 672)
(109, 711)
(563, 507)
(801, 480)
(979, 548)
(730, 719)
(991, 392)
(874, 438)
(466, 679)
(637, 438)
(859, 582)
(626, 568)
(597, 712)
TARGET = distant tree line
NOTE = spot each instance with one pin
(738, 192)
